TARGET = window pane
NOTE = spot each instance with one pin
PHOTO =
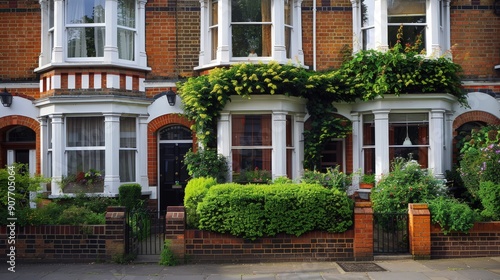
(369, 160)
(251, 130)
(289, 131)
(420, 154)
(368, 130)
(405, 7)
(51, 14)
(176, 132)
(85, 132)
(367, 13)
(86, 42)
(126, 13)
(128, 133)
(127, 166)
(83, 161)
(368, 38)
(249, 10)
(85, 11)
(126, 43)
(250, 160)
(251, 37)
(410, 35)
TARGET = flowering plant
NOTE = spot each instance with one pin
(88, 179)
(257, 175)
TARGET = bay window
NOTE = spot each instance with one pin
(242, 30)
(409, 137)
(378, 24)
(93, 30)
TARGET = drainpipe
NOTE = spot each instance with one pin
(314, 35)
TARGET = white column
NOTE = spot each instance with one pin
(204, 57)
(111, 42)
(381, 142)
(279, 50)
(297, 29)
(448, 141)
(298, 144)
(57, 50)
(356, 142)
(142, 152)
(224, 40)
(380, 17)
(436, 141)
(44, 144)
(279, 144)
(224, 141)
(112, 159)
(356, 26)
(58, 148)
(141, 33)
(432, 31)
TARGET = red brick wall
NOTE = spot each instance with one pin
(474, 37)
(20, 33)
(482, 241)
(64, 243)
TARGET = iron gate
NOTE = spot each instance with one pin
(390, 233)
(145, 232)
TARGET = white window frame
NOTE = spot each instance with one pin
(54, 38)
(437, 26)
(223, 53)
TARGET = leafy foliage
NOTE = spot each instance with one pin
(253, 211)
(195, 191)
(167, 256)
(489, 194)
(451, 215)
(206, 163)
(130, 196)
(406, 183)
(332, 178)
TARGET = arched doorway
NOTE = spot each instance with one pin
(19, 146)
(174, 142)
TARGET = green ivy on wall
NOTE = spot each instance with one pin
(369, 74)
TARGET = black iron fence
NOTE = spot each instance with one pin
(390, 233)
(145, 232)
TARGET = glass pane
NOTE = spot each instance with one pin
(420, 154)
(214, 18)
(406, 7)
(246, 38)
(176, 132)
(368, 130)
(249, 164)
(289, 131)
(250, 10)
(288, 12)
(215, 43)
(251, 130)
(367, 13)
(288, 41)
(51, 14)
(127, 166)
(368, 38)
(83, 161)
(126, 43)
(86, 42)
(369, 161)
(21, 134)
(128, 133)
(126, 13)
(85, 132)
(85, 11)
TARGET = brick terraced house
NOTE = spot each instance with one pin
(93, 84)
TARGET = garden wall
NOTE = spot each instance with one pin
(64, 243)
(483, 240)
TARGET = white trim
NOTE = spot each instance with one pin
(71, 81)
(85, 81)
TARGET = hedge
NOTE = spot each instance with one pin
(252, 211)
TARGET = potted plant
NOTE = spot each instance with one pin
(367, 181)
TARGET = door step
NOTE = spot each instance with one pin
(392, 257)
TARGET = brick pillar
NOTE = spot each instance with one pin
(175, 229)
(419, 230)
(363, 231)
(115, 231)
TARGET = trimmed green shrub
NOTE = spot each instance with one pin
(253, 211)
(195, 191)
(406, 183)
(129, 195)
(167, 256)
(489, 194)
(332, 178)
(75, 215)
(451, 215)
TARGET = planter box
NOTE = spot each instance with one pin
(78, 188)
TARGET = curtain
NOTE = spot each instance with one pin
(266, 134)
(85, 132)
(77, 44)
(126, 37)
(127, 165)
(128, 133)
(82, 161)
(128, 143)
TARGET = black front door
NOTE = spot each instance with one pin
(173, 174)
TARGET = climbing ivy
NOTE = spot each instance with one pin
(369, 74)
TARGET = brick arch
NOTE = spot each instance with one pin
(14, 120)
(153, 127)
(471, 116)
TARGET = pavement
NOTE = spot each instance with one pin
(395, 269)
